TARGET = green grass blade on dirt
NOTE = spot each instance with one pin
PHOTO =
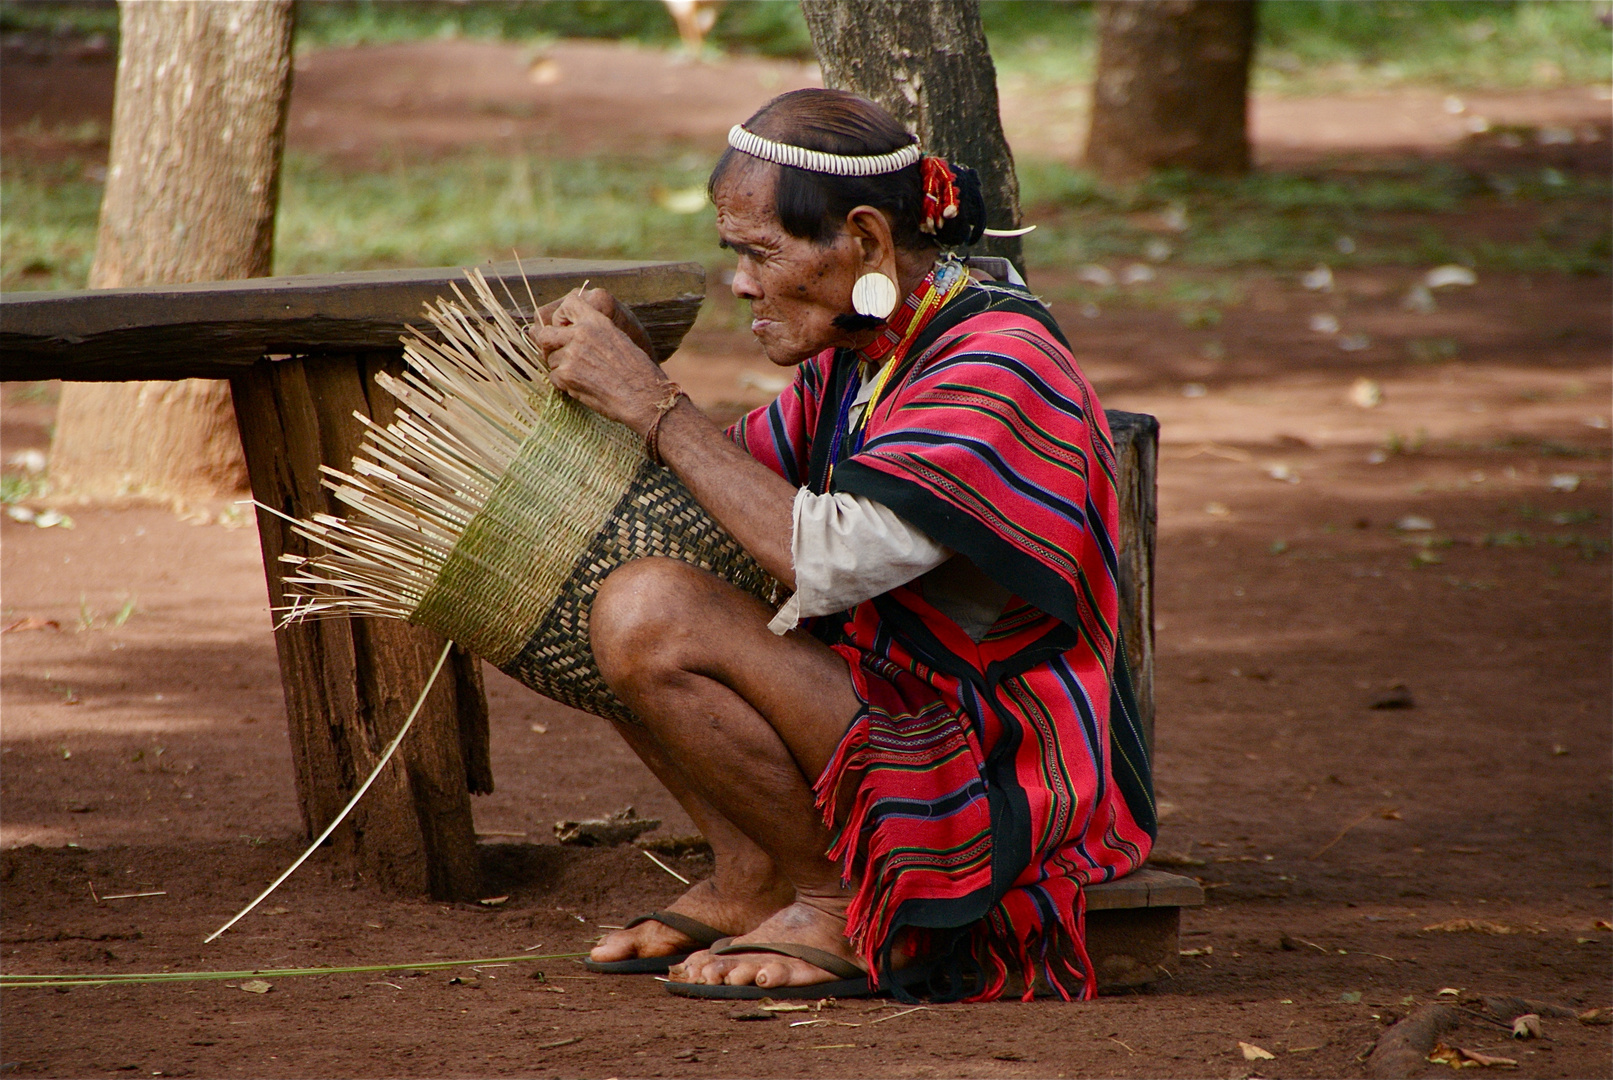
(14, 982)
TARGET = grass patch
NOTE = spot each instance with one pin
(768, 27)
(1345, 46)
(19, 487)
(1330, 46)
(458, 210)
(1409, 215)
(47, 232)
(475, 206)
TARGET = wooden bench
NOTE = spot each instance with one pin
(301, 354)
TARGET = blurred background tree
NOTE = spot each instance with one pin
(1172, 87)
(192, 185)
(927, 62)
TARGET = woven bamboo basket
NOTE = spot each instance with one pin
(492, 507)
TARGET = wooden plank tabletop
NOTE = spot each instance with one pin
(217, 329)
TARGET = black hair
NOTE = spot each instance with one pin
(813, 205)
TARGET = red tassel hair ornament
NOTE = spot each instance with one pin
(940, 194)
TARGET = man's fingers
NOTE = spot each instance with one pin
(601, 301)
(578, 310)
(545, 314)
(550, 338)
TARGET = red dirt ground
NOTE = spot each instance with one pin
(149, 756)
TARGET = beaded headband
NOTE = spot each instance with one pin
(799, 157)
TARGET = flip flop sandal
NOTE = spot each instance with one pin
(707, 936)
(850, 982)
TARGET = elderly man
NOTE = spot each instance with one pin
(909, 772)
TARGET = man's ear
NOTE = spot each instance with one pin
(872, 231)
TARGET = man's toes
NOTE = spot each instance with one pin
(696, 961)
(743, 973)
(714, 972)
(617, 946)
(779, 973)
(606, 952)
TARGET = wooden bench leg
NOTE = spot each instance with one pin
(1134, 927)
(1132, 947)
(349, 684)
(1136, 437)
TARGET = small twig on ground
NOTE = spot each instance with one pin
(651, 856)
(1128, 1049)
(132, 895)
(1486, 1017)
(558, 1043)
(1324, 848)
(904, 1012)
(97, 899)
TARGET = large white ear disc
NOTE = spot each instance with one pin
(874, 294)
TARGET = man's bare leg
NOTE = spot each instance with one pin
(747, 718)
(744, 889)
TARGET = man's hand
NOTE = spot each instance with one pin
(597, 363)
(619, 314)
(602, 367)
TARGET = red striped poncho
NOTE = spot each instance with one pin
(992, 780)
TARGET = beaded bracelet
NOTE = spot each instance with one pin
(652, 437)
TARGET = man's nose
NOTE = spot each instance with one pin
(745, 286)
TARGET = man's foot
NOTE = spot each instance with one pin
(705, 902)
(814, 922)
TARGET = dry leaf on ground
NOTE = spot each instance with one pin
(256, 986)
(622, 827)
(1526, 1026)
(31, 623)
(1475, 926)
(1458, 1058)
(1251, 1052)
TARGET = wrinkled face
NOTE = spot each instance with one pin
(795, 287)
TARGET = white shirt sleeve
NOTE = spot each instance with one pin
(847, 549)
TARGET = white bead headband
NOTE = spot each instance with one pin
(799, 157)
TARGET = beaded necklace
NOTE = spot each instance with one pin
(940, 286)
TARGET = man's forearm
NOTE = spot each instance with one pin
(750, 500)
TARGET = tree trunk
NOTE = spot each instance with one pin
(198, 125)
(1172, 87)
(927, 62)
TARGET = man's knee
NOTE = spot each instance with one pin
(641, 615)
